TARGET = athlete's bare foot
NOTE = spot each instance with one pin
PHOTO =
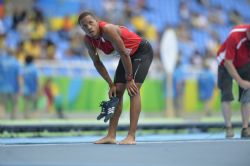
(129, 140)
(106, 140)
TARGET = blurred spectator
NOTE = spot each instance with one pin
(32, 27)
(141, 5)
(2, 40)
(196, 60)
(20, 52)
(54, 98)
(2, 74)
(49, 50)
(58, 102)
(30, 87)
(178, 89)
(24, 29)
(33, 47)
(128, 12)
(18, 16)
(206, 86)
(184, 13)
(48, 93)
(149, 33)
(199, 21)
(213, 43)
(139, 22)
(38, 30)
(211, 62)
(67, 25)
(235, 18)
(38, 14)
(113, 11)
(186, 44)
(182, 32)
(11, 83)
(217, 16)
(76, 45)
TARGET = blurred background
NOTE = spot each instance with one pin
(46, 73)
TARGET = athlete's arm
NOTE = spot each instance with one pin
(231, 46)
(112, 33)
(234, 74)
(98, 63)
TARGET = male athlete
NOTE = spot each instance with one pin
(234, 59)
(136, 55)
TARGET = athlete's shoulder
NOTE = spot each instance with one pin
(109, 30)
(239, 29)
(106, 26)
(241, 26)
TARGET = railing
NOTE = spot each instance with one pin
(100, 127)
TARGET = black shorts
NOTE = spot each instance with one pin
(225, 84)
(225, 81)
(244, 73)
(141, 61)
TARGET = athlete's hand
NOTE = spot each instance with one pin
(244, 84)
(112, 91)
(131, 88)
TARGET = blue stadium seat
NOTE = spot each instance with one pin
(159, 16)
(195, 7)
(63, 8)
(186, 52)
(12, 39)
(7, 23)
(244, 9)
(53, 36)
(223, 31)
(200, 38)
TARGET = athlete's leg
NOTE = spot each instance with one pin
(225, 84)
(244, 72)
(227, 113)
(245, 113)
(111, 136)
(135, 109)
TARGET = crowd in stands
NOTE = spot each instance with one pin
(201, 25)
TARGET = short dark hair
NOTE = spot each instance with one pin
(84, 14)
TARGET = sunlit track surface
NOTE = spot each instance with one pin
(161, 153)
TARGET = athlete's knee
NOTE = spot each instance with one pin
(119, 93)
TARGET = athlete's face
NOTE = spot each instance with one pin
(90, 26)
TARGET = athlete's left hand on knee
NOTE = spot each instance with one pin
(132, 88)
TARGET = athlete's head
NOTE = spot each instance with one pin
(89, 23)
